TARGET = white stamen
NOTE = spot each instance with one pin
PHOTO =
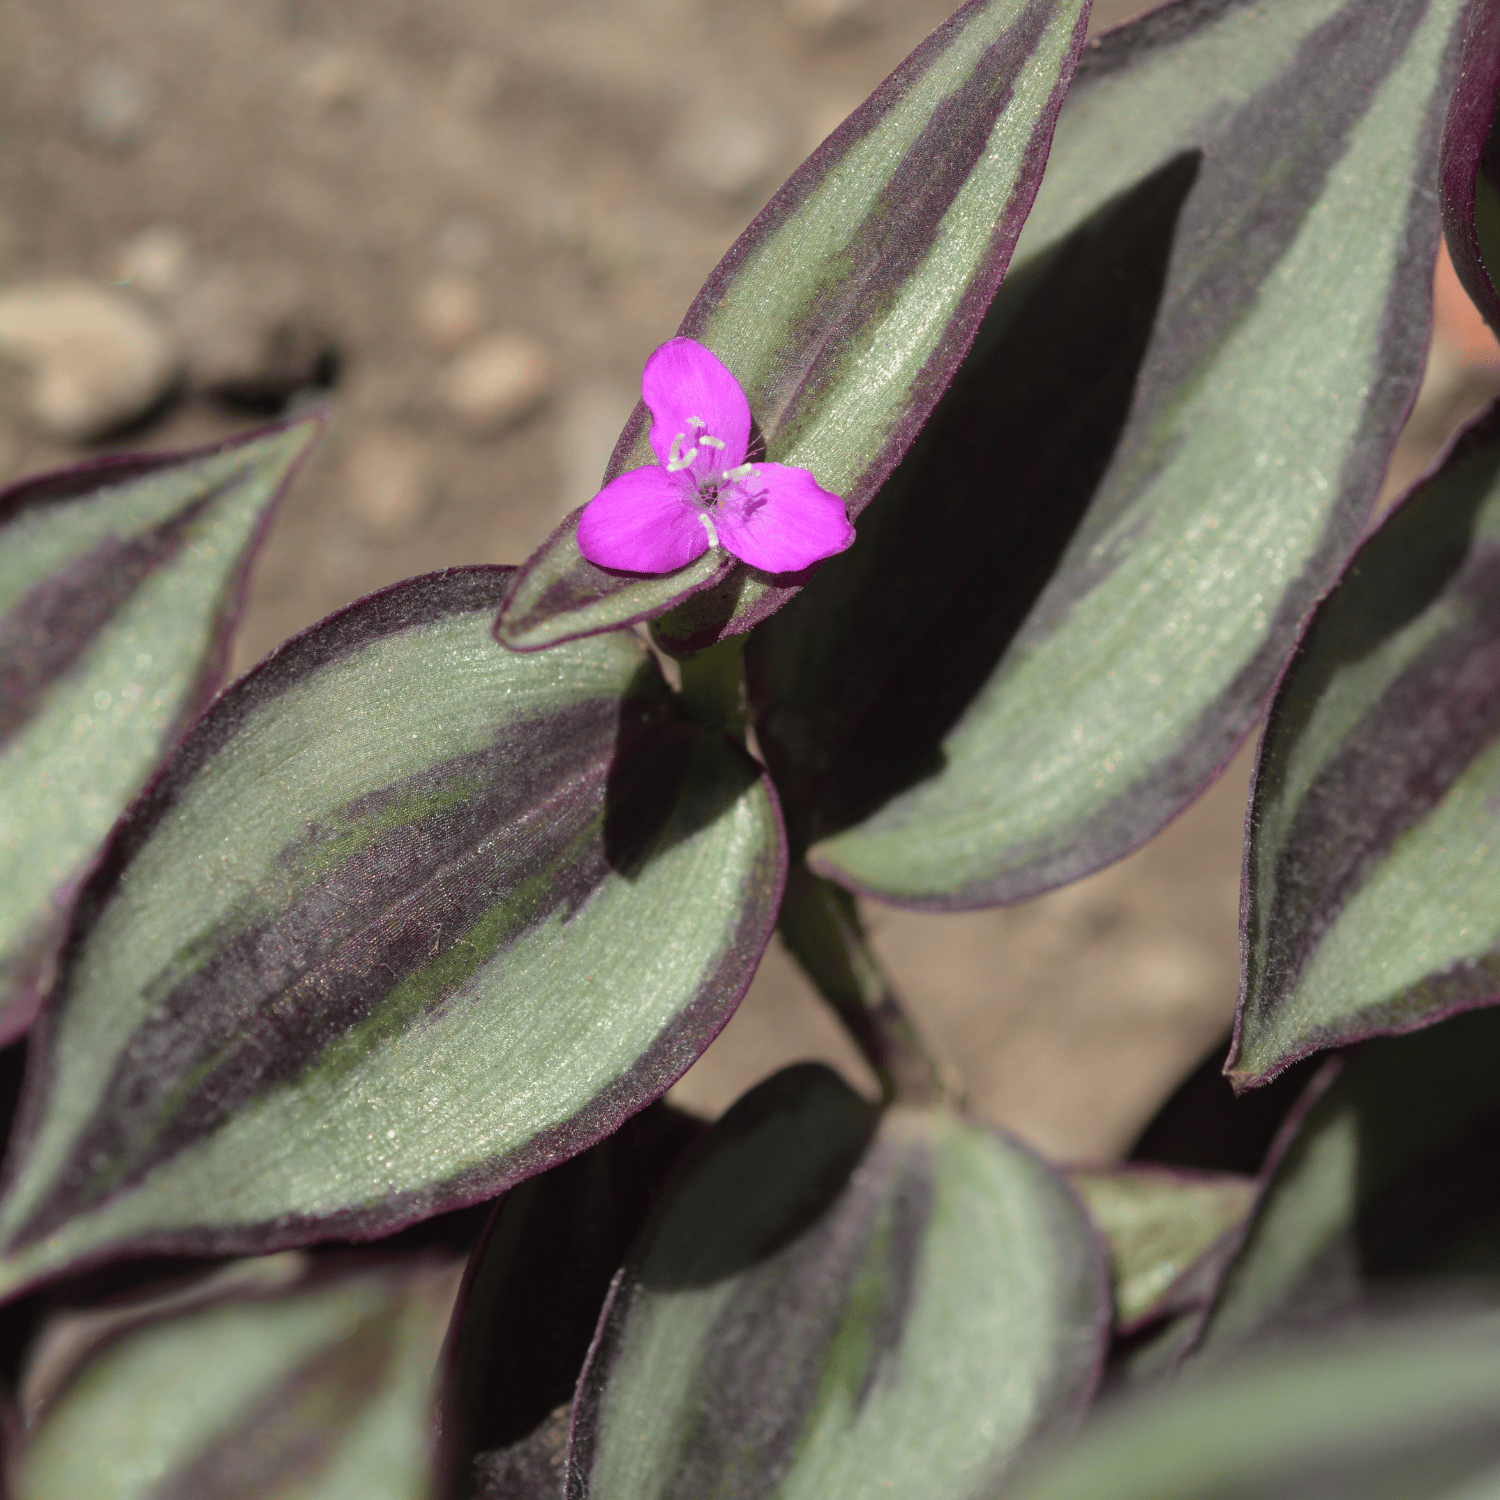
(676, 459)
(712, 442)
(734, 476)
(708, 526)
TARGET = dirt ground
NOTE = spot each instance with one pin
(405, 179)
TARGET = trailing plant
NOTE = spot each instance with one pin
(986, 509)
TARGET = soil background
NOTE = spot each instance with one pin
(398, 190)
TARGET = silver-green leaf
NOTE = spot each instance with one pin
(119, 583)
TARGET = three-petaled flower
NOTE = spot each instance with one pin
(702, 492)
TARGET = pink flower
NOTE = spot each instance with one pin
(701, 492)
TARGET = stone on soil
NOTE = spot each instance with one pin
(496, 381)
(98, 358)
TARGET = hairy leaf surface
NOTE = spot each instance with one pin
(1158, 1223)
(1069, 604)
(322, 1387)
(407, 918)
(1372, 878)
(1389, 1177)
(119, 583)
(847, 305)
(833, 1302)
(1411, 1412)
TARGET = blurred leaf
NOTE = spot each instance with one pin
(832, 1302)
(1402, 1414)
(1373, 874)
(846, 306)
(323, 1387)
(1471, 164)
(120, 581)
(530, 1301)
(1158, 1224)
(1069, 604)
(1389, 1177)
(407, 918)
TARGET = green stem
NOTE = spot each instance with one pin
(821, 929)
(712, 689)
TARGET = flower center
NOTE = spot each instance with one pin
(709, 484)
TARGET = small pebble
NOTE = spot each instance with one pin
(116, 105)
(155, 262)
(98, 358)
(389, 488)
(725, 153)
(496, 381)
(450, 309)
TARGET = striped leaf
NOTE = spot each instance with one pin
(531, 1297)
(1159, 1223)
(847, 305)
(258, 1391)
(119, 583)
(1390, 1177)
(1372, 880)
(406, 919)
(831, 1302)
(1068, 606)
(1410, 1413)
(1471, 165)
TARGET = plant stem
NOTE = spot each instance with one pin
(712, 691)
(821, 929)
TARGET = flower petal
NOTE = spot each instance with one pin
(682, 379)
(781, 520)
(643, 522)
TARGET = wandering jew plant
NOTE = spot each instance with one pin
(1019, 459)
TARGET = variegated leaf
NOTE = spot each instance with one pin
(406, 919)
(1471, 164)
(1068, 606)
(1372, 880)
(846, 306)
(320, 1385)
(1410, 1413)
(830, 1302)
(1158, 1222)
(1389, 1177)
(119, 583)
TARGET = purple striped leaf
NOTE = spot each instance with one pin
(847, 305)
(120, 581)
(1070, 603)
(276, 1378)
(1471, 164)
(1406, 1411)
(1159, 1224)
(406, 919)
(531, 1297)
(1372, 882)
(1387, 1182)
(832, 1301)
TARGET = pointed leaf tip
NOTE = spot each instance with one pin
(120, 584)
(1071, 602)
(1372, 890)
(847, 305)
